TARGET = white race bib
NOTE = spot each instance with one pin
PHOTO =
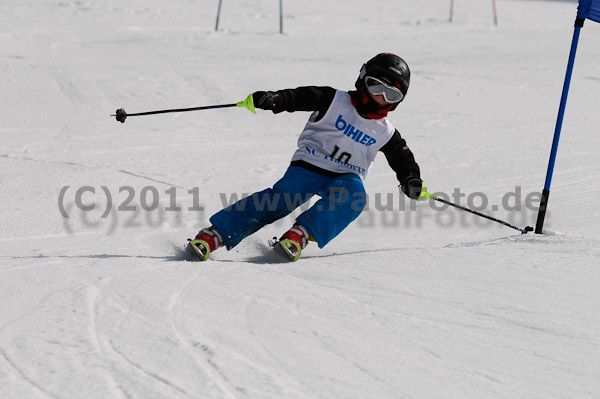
(343, 141)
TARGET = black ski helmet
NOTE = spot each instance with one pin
(388, 66)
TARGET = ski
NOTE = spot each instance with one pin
(198, 250)
(287, 249)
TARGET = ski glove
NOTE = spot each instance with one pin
(268, 100)
(412, 188)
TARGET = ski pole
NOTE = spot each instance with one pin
(248, 103)
(433, 197)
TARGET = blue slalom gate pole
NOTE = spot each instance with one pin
(561, 113)
(218, 15)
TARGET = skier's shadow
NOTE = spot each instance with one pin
(273, 258)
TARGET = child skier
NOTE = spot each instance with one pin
(338, 144)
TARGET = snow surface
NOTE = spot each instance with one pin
(403, 304)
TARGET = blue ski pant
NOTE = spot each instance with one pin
(342, 200)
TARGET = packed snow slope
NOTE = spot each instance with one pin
(96, 301)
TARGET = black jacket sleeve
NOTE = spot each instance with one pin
(306, 98)
(401, 159)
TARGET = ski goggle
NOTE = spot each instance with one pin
(376, 87)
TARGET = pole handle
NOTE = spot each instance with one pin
(247, 103)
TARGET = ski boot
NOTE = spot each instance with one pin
(206, 241)
(292, 242)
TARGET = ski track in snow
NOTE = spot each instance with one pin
(24, 377)
(204, 361)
